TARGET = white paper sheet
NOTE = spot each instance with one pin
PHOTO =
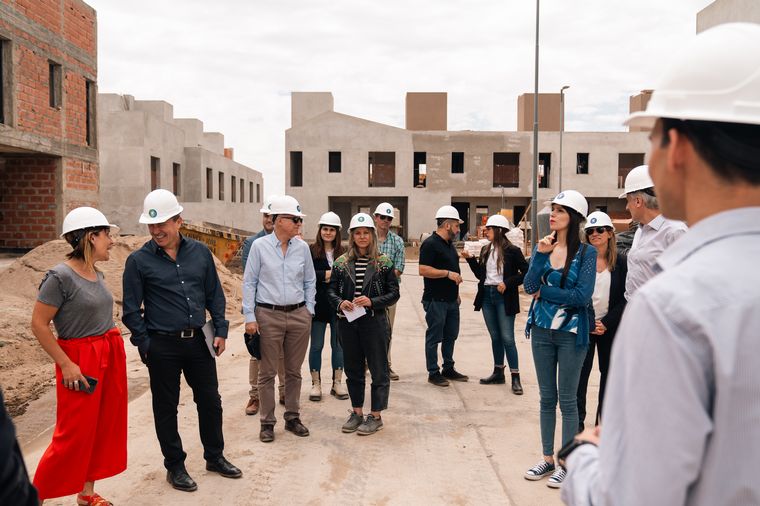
(355, 313)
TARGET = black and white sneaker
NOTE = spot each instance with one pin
(538, 471)
(556, 479)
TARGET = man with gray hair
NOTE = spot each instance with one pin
(655, 232)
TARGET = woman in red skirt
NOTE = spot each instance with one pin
(90, 438)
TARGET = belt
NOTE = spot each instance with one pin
(287, 309)
(179, 334)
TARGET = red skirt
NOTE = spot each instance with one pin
(90, 438)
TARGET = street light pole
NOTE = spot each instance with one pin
(534, 200)
(561, 129)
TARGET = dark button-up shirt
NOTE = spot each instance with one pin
(175, 294)
(439, 253)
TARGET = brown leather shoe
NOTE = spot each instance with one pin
(296, 427)
(267, 433)
(252, 407)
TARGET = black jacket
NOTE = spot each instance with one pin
(323, 312)
(15, 487)
(380, 283)
(513, 270)
(617, 295)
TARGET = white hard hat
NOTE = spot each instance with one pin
(331, 219)
(448, 213)
(85, 217)
(572, 200)
(384, 209)
(498, 220)
(636, 180)
(361, 220)
(268, 203)
(159, 206)
(599, 219)
(285, 204)
(715, 78)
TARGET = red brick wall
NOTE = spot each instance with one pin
(79, 175)
(27, 201)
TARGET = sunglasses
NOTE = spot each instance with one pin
(294, 219)
(384, 218)
(598, 230)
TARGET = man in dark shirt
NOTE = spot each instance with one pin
(174, 279)
(439, 266)
(15, 487)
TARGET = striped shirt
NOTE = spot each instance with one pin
(361, 268)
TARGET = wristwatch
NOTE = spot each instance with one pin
(569, 448)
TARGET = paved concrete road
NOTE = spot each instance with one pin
(465, 444)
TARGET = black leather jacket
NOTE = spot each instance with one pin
(380, 283)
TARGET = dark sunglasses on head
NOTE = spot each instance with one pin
(598, 230)
(384, 218)
(294, 219)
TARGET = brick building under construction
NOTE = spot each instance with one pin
(48, 142)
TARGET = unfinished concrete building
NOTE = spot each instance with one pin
(143, 147)
(347, 164)
(48, 141)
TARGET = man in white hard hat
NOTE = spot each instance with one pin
(439, 265)
(680, 425)
(655, 232)
(279, 289)
(174, 279)
(252, 406)
(392, 245)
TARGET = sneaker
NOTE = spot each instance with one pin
(353, 422)
(538, 471)
(438, 380)
(370, 426)
(453, 375)
(555, 480)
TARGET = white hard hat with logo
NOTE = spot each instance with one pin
(636, 180)
(498, 220)
(159, 206)
(331, 219)
(85, 217)
(715, 78)
(448, 213)
(361, 220)
(384, 209)
(267, 204)
(599, 219)
(285, 205)
(572, 200)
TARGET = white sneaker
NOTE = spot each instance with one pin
(556, 479)
(538, 471)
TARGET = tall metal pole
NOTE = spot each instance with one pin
(561, 130)
(534, 200)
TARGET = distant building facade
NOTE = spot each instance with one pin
(143, 147)
(728, 11)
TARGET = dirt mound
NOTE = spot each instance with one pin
(26, 371)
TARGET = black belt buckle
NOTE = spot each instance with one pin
(187, 333)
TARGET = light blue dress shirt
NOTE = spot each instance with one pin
(272, 278)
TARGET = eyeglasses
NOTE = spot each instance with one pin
(294, 219)
(598, 230)
(384, 218)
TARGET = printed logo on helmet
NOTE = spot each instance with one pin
(561, 196)
(298, 208)
(389, 211)
(360, 219)
(593, 220)
(152, 213)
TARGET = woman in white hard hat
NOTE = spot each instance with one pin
(500, 269)
(90, 438)
(608, 301)
(362, 287)
(561, 278)
(326, 248)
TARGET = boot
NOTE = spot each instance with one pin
(316, 387)
(497, 378)
(516, 385)
(338, 388)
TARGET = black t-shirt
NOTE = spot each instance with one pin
(439, 254)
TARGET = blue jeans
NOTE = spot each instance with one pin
(555, 350)
(318, 342)
(442, 327)
(501, 327)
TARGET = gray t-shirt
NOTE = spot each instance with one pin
(85, 308)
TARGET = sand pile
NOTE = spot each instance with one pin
(26, 371)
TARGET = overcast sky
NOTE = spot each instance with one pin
(233, 63)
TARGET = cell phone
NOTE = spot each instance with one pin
(92, 382)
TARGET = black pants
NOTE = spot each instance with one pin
(366, 340)
(168, 358)
(603, 343)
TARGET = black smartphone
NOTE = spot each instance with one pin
(92, 383)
